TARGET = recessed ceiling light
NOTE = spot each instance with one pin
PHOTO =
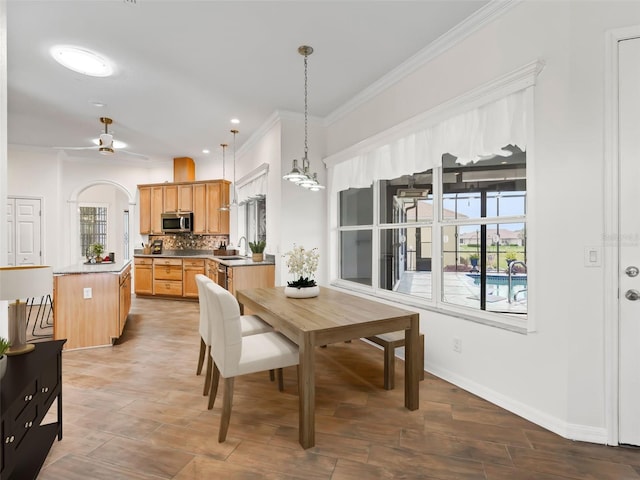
(205, 150)
(235, 121)
(97, 104)
(116, 143)
(82, 60)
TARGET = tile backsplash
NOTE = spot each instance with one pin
(190, 241)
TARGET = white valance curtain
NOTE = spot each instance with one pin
(481, 131)
(253, 186)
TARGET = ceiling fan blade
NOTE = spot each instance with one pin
(133, 154)
(76, 148)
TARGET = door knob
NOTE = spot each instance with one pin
(632, 271)
(632, 294)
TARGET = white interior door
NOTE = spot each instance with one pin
(629, 241)
(11, 232)
(25, 224)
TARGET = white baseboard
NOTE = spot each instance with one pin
(583, 433)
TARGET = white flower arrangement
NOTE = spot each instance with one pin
(302, 265)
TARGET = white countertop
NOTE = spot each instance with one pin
(207, 254)
(82, 268)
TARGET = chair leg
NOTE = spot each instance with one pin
(207, 375)
(203, 348)
(215, 377)
(389, 367)
(226, 409)
(280, 379)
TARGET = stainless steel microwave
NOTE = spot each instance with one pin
(177, 222)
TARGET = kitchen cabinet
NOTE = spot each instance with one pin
(143, 273)
(200, 208)
(157, 208)
(151, 207)
(31, 384)
(167, 276)
(190, 268)
(217, 220)
(203, 198)
(124, 304)
(211, 270)
(145, 209)
(178, 198)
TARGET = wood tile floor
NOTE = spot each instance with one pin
(136, 411)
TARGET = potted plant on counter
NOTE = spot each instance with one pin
(257, 250)
(302, 265)
(97, 249)
(4, 346)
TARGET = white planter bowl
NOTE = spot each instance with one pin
(306, 292)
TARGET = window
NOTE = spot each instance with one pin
(255, 214)
(453, 236)
(93, 227)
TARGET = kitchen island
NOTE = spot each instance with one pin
(91, 303)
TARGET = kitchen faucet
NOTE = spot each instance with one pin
(245, 245)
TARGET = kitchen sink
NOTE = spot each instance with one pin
(232, 258)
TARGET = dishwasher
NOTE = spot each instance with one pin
(222, 275)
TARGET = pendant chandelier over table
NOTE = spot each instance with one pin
(304, 177)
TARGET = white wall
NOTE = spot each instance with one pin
(294, 215)
(554, 376)
(58, 179)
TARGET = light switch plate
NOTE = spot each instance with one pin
(592, 256)
(88, 292)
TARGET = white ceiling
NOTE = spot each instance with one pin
(185, 68)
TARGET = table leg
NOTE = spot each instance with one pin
(412, 364)
(307, 394)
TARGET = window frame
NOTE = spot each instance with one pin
(519, 322)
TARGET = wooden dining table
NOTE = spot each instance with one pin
(333, 316)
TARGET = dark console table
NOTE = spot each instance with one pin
(31, 384)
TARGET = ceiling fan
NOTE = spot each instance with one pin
(105, 143)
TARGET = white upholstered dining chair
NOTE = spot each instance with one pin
(235, 355)
(249, 325)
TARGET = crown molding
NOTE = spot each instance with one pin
(480, 18)
(518, 79)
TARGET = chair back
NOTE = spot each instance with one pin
(201, 281)
(226, 346)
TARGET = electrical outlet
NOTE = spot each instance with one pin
(88, 293)
(457, 345)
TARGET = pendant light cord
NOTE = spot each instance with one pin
(306, 148)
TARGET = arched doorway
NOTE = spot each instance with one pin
(120, 207)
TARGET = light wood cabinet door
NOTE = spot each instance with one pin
(143, 276)
(185, 198)
(145, 210)
(125, 299)
(212, 270)
(200, 208)
(259, 276)
(157, 208)
(178, 198)
(191, 268)
(217, 195)
(170, 198)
